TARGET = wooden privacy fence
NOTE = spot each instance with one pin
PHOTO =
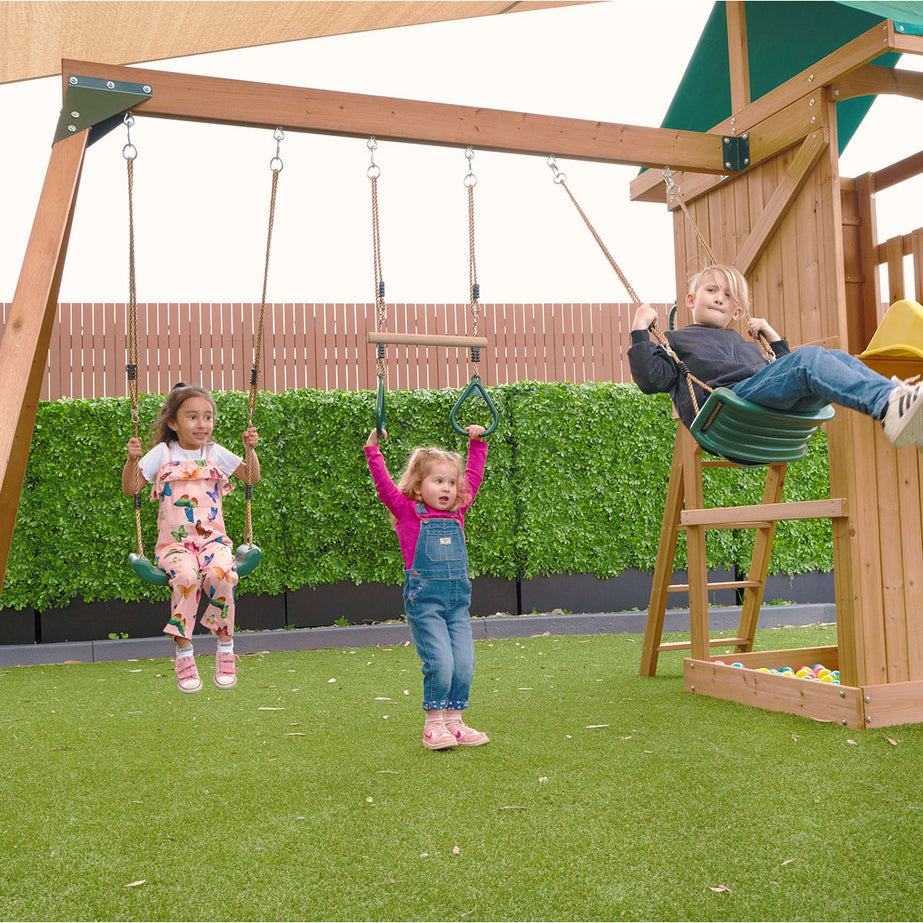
(323, 346)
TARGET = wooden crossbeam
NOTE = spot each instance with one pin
(264, 105)
(424, 339)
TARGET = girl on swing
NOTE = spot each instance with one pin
(800, 382)
(428, 506)
(190, 474)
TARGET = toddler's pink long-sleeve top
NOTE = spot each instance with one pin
(404, 509)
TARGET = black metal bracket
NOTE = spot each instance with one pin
(97, 104)
(735, 151)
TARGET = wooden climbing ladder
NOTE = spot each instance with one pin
(685, 509)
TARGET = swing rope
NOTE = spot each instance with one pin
(560, 179)
(381, 310)
(130, 152)
(673, 192)
(275, 166)
(474, 287)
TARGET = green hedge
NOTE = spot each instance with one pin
(575, 483)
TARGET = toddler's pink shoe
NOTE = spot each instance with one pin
(466, 736)
(436, 736)
(225, 670)
(187, 676)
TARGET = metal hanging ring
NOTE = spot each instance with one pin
(129, 151)
(559, 177)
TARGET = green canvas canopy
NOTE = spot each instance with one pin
(783, 39)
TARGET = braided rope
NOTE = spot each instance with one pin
(132, 366)
(474, 289)
(673, 191)
(258, 349)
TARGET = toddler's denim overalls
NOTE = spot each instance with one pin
(437, 599)
(192, 546)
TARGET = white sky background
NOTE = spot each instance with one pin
(201, 192)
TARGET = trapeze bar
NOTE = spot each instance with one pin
(424, 339)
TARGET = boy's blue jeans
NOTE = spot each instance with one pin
(810, 377)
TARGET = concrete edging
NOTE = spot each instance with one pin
(493, 627)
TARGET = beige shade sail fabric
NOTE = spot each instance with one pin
(35, 36)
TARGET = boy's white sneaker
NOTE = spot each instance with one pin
(903, 419)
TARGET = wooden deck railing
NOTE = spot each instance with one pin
(323, 346)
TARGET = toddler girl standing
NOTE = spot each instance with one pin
(429, 505)
(190, 476)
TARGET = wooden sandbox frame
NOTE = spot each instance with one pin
(801, 234)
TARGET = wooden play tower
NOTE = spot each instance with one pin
(764, 184)
(806, 239)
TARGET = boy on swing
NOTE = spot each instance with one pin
(802, 381)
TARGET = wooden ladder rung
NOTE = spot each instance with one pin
(714, 642)
(734, 517)
(722, 585)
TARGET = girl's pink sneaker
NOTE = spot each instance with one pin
(225, 670)
(466, 736)
(187, 676)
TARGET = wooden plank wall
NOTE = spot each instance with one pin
(324, 346)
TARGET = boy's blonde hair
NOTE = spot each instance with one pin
(418, 467)
(736, 283)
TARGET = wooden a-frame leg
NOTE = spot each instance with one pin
(759, 560)
(24, 347)
(663, 568)
(695, 550)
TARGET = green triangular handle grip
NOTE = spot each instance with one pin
(147, 571)
(247, 556)
(380, 406)
(475, 387)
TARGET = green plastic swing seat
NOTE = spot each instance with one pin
(247, 557)
(747, 434)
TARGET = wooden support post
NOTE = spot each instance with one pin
(738, 58)
(24, 347)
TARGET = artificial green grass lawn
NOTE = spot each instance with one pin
(304, 794)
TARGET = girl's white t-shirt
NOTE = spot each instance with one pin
(227, 462)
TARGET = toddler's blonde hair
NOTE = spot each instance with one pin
(736, 283)
(418, 467)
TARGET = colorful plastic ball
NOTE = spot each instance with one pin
(827, 678)
(802, 672)
(737, 665)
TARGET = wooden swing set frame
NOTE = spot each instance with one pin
(789, 183)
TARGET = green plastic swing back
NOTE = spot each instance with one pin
(747, 434)
(380, 406)
(475, 388)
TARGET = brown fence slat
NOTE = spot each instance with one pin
(323, 346)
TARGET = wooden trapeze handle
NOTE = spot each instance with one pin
(424, 339)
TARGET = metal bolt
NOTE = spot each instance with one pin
(110, 84)
(843, 722)
(836, 92)
(811, 103)
(868, 700)
(727, 140)
(146, 89)
(72, 81)
(71, 127)
(692, 688)
(868, 719)
(733, 131)
(745, 135)
(75, 115)
(746, 160)
(813, 119)
(810, 78)
(842, 694)
(728, 164)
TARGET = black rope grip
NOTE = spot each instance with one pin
(132, 371)
(249, 492)
(380, 352)
(138, 501)
(476, 291)
(475, 353)
(381, 289)
(253, 376)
